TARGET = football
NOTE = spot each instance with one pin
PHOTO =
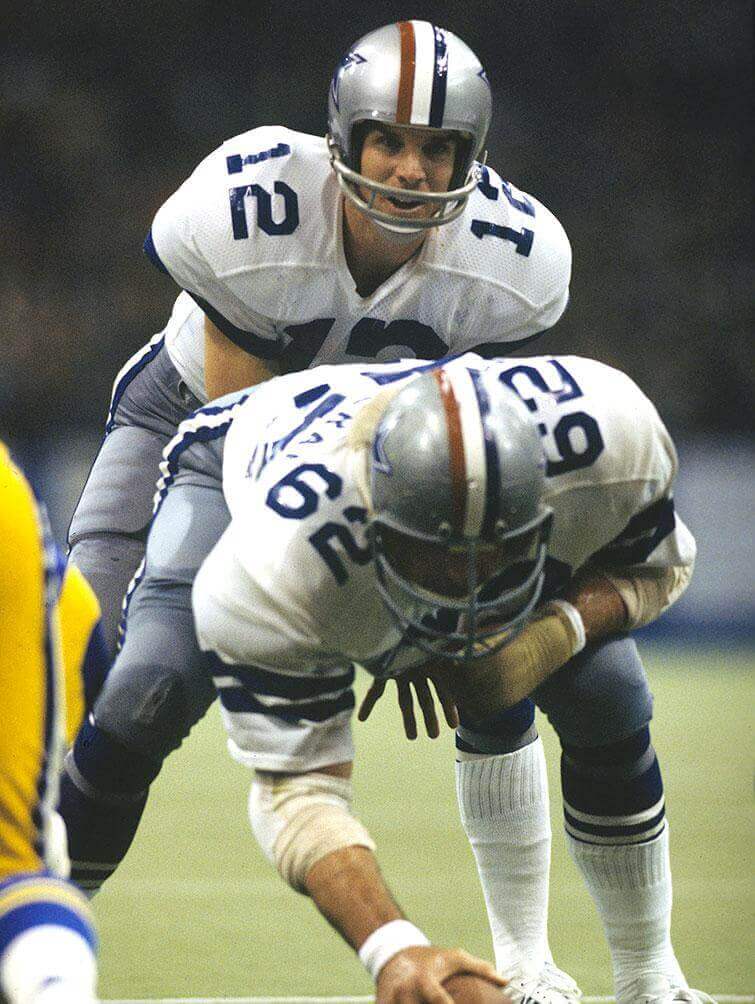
(466, 988)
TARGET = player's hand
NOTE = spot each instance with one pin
(416, 975)
(416, 682)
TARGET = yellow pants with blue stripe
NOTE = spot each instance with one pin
(47, 620)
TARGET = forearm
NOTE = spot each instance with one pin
(546, 644)
(229, 368)
(349, 891)
(598, 603)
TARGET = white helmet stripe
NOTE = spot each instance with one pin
(424, 73)
(474, 451)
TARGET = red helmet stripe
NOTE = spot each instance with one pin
(457, 460)
(406, 77)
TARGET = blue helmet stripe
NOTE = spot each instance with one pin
(440, 77)
(492, 462)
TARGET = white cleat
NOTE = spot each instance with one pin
(551, 986)
(654, 988)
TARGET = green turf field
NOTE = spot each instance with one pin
(196, 911)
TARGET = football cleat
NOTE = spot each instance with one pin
(655, 988)
(551, 986)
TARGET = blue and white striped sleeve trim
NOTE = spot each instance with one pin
(294, 700)
(644, 532)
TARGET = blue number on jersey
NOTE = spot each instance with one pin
(282, 499)
(237, 197)
(368, 337)
(321, 541)
(236, 163)
(522, 239)
(491, 192)
(309, 498)
(570, 458)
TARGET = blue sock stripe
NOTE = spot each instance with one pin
(615, 839)
(30, 915)
(614, 828)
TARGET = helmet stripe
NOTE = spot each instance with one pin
(492, 461)
(456, 457)
(424, 74)
(406, 74)
(440, 76)
(470, 482)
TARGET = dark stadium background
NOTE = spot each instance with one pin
(629, 120)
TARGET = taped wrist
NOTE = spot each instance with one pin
(299, 818)
(547, 643)
(648, 592)
(572, 621)
(387, 941)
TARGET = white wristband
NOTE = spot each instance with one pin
(387, 941)
(575, 619)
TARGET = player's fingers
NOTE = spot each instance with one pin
(406, 703)
(370, 699)
(466, 963)
(427, 704)
(432, 992)
(450, 711)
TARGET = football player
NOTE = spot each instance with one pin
(388, 239)
(48, 632)
(506, 522)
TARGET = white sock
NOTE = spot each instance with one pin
(631, 887)
(48, 964)
(503, 801)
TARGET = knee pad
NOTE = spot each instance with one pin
(614, 793)
(107, 766)
(504, 732)
(145, 711)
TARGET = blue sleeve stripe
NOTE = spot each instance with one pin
(642, 534)
(255, 345)
(239, 700)
(30, 915)
(151, 252)
(269, 684)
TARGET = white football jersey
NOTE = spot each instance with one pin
(290, 587)
(255, 236)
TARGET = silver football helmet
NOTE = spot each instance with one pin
(457, 473)
(409, 73)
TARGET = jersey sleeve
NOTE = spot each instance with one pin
(652, 534)
(191, 240)
(524, 250)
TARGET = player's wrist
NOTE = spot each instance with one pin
(387, 941)
(572, 621)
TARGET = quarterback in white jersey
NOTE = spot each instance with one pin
(256, 235)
